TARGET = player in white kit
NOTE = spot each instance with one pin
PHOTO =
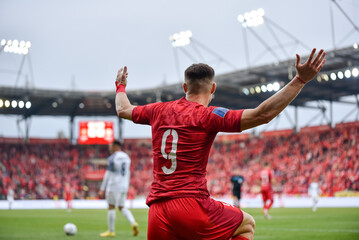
(314, 192)
(116, 182)
(10, 197)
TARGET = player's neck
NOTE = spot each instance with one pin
(203, 99)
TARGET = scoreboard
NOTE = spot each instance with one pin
(96, 132)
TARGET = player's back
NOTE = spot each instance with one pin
(314, 189)
(119, 168)
(182, 135)
(237, 180)
(266, 179)
(68, 192)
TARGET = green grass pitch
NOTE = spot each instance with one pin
(298, 224)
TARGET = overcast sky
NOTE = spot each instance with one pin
(82, 43)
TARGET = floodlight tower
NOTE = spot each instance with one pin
(179, 40)
(355, 28)
(184, 38)
(248, 20)
(256, 18)
(21, 48)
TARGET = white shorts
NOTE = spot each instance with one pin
(116, 198)
(315, 198)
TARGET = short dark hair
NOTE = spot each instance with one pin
(117, 143)
(198, 78)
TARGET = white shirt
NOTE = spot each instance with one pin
(117, 176)
(314, 189)
(10, 194)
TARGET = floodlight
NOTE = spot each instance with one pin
(181, 39)
(340, 75)
(252, 19)
(347, 73)
(28, 104)
(54, 104)
(333, 76)
(355, 45)
(21, 104)
(276, 86)
(7, 103)
(355, 72)
(81, 105)
(240, 18)
(270, 87)
(264, 88)
(252, 90)
(13, 104)
(325, 77)
(245, 91)
(1, 103)
(319, 78)
(14, 46)
(258, 89)
(260, 12)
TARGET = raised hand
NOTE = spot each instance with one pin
(310, 68)
(122, 76)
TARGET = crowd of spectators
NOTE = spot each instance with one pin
(40, 170)
(328, 157)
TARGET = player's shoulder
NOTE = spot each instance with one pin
(150, 105)
(160, 106)
(219, 111)
(121, 154)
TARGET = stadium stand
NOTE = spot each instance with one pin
(40, 169)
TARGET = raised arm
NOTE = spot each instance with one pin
(123, 106)
(271, 107)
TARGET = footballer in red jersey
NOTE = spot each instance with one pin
(266, 189)
(182, 135)
(68, 196)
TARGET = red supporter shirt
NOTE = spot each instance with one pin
(182, 136)
(266, 179)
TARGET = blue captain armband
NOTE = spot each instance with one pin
(219, 111)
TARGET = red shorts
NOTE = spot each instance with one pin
(192, 218)
(68, 197)
(267, 195)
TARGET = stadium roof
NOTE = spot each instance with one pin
(233, 90)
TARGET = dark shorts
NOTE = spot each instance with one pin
(237, 194)
(192, 218)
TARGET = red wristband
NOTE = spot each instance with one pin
(301, 80)
(120, 88)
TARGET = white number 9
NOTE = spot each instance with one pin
(172, 155)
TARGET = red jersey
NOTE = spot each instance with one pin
(68, 193)
(182, 136)
(266, 179)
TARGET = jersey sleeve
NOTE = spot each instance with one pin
(143, 114)
(105, 181)
(223, 120)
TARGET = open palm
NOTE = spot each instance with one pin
(310, 68)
